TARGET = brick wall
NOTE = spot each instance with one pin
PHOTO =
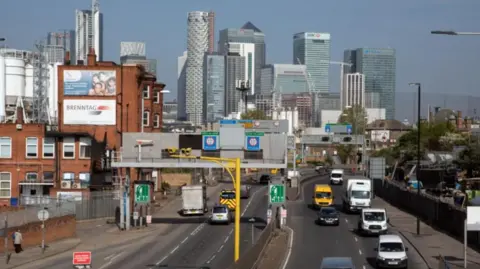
(56, 229)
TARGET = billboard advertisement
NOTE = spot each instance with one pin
(89, 82)
(89, 112)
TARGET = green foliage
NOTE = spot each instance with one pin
(346, 152)
(389, 154)
(254, 114)
(469, 159)
(356, 116)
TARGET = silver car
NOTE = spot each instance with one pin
(220, 214)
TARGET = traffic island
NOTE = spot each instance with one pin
(276, 247)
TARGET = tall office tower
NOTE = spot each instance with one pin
(283, 79)
(135, 53)
(182, 86)
(66, 40)
(234, 70)
(246, 50)
(197, 45)
(353, 92)
(89, 32)
(214, 85)
(248, 33)
(211, 32)
(133, 49)
(313, 51)
(379, 67)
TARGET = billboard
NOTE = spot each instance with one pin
(89, 112)
(89, 82)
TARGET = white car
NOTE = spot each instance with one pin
(220, 214)
(336, 177)
(391, 252)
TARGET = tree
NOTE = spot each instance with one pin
(355, 116)
(469, 159)
(346, 152)
(254, 114)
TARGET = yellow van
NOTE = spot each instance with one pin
(322, 196)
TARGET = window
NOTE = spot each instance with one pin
(146, 118)
(5, 147)
(69, 148)
(47, 176)
(48, 147)
(156, 97)
(31, 176)
(32, 147)
(5, 185)
(146, 92)
(68, 176)
(85, 148)
(156, 121)
(84, 180)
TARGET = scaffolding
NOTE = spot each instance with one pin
(40, 86)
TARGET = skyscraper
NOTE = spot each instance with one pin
(353, 92)
(234, 70)
(211, 32)
(182, 86)
(64, 40)
(214, 84)
(135, 53)
(313, 51)
(284, 79)
(89, 33)
(379, 67)
(197, 45)
(248, 33)
(246, 50)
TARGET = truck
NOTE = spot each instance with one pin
(194, 200)
(357, 195)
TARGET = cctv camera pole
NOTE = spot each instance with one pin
(243, 86)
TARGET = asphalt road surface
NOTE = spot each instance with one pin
(313, 242)
(189, 243)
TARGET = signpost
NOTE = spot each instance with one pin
(82, 259)
(277, 193)
(43, 215)
(210, 140)
(142, 193)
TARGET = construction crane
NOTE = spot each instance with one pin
(342, 67)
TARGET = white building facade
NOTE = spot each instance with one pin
(89, 34)
(353, 92)
(246, 50)
(182, 86)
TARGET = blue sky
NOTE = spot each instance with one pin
(444, 64)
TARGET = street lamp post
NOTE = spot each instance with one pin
(417, 170)
(451, 32)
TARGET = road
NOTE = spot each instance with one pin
(313, 242)
(189, 241)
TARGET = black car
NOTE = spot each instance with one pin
(264, 179)
(328, 216)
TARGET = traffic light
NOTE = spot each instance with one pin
(367, 143)
(186, 151)
(172, 151)
(359, 157)
(347, 139)
(325, 139)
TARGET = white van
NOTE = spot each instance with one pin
(336, 177)
(391, 252)
(373, 221)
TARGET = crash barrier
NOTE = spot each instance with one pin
(442, 263)
(250, 258)
(430, 209)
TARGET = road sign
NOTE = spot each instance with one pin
(210, 142)
(142, 193)
(210, 133)
(227, 122)
(82, 258)
(135, 215)
(349, 129)
(291, 142)
(277, 193)
(43, 215)
(255, 133)
(253, 143)
(327, 128)
(338, 128)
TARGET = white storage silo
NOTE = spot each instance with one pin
(15, 76)
(29, 81)
(2, 88)
(53, 90)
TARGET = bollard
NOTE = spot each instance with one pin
(269, 215)
(283, 217)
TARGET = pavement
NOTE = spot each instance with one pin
(274, 251)
(430, 243)
(311, 242)
(170, 241)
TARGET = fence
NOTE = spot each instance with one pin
(430, 209)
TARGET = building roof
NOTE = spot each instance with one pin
(251, 26)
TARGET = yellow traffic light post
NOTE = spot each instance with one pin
(236, 182)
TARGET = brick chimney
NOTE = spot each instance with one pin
(20, 119)
(91, 58)
(67, 58)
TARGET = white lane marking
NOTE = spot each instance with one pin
(197, 229)
(220, 249)
(184, 240)
(175, 249)
(226, 239)
(160, 262)
(346, 220)
(356, 239)
(211, 259)
(111, 259)
(290, 244)
(230, 233)
(360, 251)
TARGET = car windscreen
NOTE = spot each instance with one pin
(374, 216)
(391, 247)
(328, 211)
(219, 210)
(323, 195)
(361, 194)
(336, 175)
(227, 195)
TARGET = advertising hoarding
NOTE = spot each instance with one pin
(380, 136)
(89, 82)
(89, 112)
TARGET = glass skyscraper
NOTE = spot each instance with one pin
(283, 78)
(214, 87)
(379, 67)
(313, 51)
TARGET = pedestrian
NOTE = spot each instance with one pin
(17, 241)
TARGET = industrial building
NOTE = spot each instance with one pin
(96, 104)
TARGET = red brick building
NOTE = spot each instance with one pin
(39, 159)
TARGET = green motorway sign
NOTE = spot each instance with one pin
(142, 193)
(254, 133)
(210, 133)
(277, 193)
